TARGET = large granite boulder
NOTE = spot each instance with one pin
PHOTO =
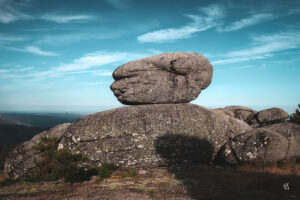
(21, 159)
(165, 78)
(151, 135)
(271, 143)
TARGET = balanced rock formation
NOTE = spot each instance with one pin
(151, 135)
(271, 143)
(21, 159)
(165, 78)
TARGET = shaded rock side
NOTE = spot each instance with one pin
(271, 143)
(21, 159)
(165, 78)
(143, 135)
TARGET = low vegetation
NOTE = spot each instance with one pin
(57, 164)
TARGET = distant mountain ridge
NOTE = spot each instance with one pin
(5, 120)
(16, 128)
(37, 120)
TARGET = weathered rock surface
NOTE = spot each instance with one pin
(151, 135)
(271, 116)
(267, 144)
(165, 78)
(291, 132)
(253, 118)
(21, 159)
(239, 112)
(257, 145)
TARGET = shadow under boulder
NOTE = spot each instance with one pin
(175, 148)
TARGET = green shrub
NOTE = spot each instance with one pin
(132, 173)
(105, 170)
(55, 164)
(295, 117)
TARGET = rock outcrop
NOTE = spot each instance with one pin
(239, 112)
(271, 143)
(143, 135)
(21, 159)
(253, 118)
(165, 78)
(271, 116)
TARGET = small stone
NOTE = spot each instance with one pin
(142, 172)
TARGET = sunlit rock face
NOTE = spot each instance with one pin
(165, 78)
(151, 135)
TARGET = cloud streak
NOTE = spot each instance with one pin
(85, 64)
(246, 22)
(11, 11)
(97, 59)
(263, 46)
(4, 39)
(208, 18)
(66, 18)
(34, 50)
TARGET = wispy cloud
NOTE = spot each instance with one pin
(246, 22)
(263, 46)
(11, 11)
(3, 71)
(294, 11)
(6, 39)
(66, 18)
(208, 18)
(270, 43)
(240, 59)
(88, 63)
(33, 49)
(97, 59)
(74, 37)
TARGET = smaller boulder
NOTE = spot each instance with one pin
(257, 145)
(271, 116)
(291, 131)
(239, 112)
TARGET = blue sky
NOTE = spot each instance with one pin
(59, 55)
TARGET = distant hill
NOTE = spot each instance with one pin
(10, 121)
(15, 134)
(37, 120)
(16, 128)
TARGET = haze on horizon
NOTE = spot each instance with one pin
(59, 55)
